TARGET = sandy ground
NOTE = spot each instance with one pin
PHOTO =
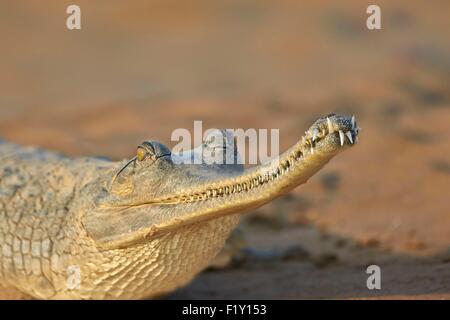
(142, 69)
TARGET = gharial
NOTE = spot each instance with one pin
(138, 229)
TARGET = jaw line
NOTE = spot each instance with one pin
(224, 196)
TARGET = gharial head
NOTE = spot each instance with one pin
(153, 193)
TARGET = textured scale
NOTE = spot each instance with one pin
(41, 236)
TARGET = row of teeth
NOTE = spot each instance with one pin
(342, 135)
(262, 179)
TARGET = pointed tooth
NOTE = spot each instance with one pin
(315, 134)
(353, 122)
(341, 137)
(349, 136)
(330, 126)
(312, 150)
(356, 139)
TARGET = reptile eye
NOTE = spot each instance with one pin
(141, 154)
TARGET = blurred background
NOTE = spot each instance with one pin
(140, 69)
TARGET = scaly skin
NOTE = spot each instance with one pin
(135, 230)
